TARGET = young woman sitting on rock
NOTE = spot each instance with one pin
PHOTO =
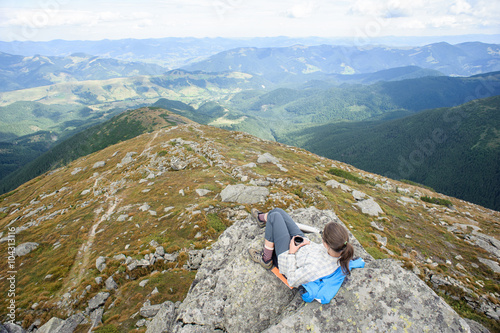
(307, 261)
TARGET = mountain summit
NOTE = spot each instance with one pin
(116, 240)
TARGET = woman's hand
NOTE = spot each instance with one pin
(293, 248)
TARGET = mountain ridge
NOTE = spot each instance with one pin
(355, 59)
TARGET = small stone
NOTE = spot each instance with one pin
(376, 226)
(122, 218)
(97, 300)
(98, 280)
(458, 257)
(202, 192)
(25, 248)
(460, 266)
(100, 263)
(99, 164)
(141, 323)
(145, 207)
(143, 283)
(111, 284)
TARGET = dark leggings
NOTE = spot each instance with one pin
(280, 229)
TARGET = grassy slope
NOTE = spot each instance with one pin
(120, 128)
(415, 231)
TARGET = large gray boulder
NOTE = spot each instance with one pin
(369, 207)
(244, 194)
(231, 293)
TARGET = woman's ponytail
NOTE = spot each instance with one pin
(345, 257)
(336, 237)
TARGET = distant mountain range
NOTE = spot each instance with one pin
(174, 52)
(461, 59)
(19, 72)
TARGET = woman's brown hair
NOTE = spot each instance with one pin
(337, 238)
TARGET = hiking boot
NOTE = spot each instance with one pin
(255, 217)
(256, 256)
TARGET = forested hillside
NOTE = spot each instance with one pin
(456, 150)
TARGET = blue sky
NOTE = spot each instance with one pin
(40, 20)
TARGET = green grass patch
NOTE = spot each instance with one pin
(107, 329)
(214, 221)
(437, 201)
(347, 175)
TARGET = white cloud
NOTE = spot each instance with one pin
(233, 18)
(460, 7)
(302, 10)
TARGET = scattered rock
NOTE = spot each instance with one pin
(380, 239)
(332, 183)
(178, 165)
(488, 243)
(202, 192)
(244, 194)
(493, 265)
(260, 182)
(358, 195)
(96, 317)
(171, 256)
(369, 207)
(85, 192)
(52, 325)
(408, 200)
(148, 310)
(25, 248)
(71, 323)
(127, 159)
(143, 283)
(110, 283)
(250, 165)
(98, 280)
(144, 207)
(267, 158)
(100, 263)
(12, 328)
(97, 301)
(376, 226)
(141, 323)
(99, 164)
(160, 251)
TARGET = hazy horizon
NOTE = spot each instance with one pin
(92, 20)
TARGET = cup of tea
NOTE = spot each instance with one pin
(298, 240)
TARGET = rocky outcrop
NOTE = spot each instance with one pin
(233, 294)
(244, 194)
